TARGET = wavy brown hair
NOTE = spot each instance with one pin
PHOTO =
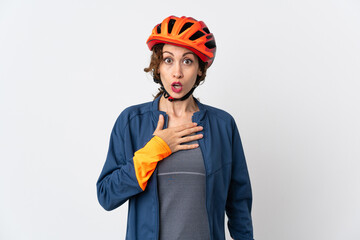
(156, 59)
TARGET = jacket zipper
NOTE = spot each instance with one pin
(206, 180)
(157, 193)
(157, 209)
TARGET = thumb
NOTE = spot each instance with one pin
(160, 124)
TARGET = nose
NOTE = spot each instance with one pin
(177, 71)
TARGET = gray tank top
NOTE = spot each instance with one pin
(181, 184)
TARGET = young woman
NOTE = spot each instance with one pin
(179, 162)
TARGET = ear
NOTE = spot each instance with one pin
(199, 73)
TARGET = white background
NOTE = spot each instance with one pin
(288, 71)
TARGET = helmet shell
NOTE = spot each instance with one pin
(185, 32)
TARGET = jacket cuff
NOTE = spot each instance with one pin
(163, 144)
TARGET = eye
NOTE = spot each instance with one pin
(188, 61)
(167, 60)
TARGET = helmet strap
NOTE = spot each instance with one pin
(171, 99)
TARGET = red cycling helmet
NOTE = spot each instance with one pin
(185, 32)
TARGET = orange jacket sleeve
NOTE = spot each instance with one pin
(146, 159)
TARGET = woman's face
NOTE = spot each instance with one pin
(178, 70)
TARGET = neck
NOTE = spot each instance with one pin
(178, 108)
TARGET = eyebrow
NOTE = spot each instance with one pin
(183, 54)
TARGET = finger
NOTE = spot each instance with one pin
(160, 123)
(185, 126)
(189, 131)
(191, 138)
(187, 146)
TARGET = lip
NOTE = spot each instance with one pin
(176, 87)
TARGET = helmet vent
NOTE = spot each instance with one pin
(186, 26)
(210, 44)
(196, 35)
(206, 30)
(171, 25)
(158, 29)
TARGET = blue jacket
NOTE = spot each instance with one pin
(228, 186)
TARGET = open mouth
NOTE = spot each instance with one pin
(176, 84)
(176, 87)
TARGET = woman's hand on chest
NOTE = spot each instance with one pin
(178, 134)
